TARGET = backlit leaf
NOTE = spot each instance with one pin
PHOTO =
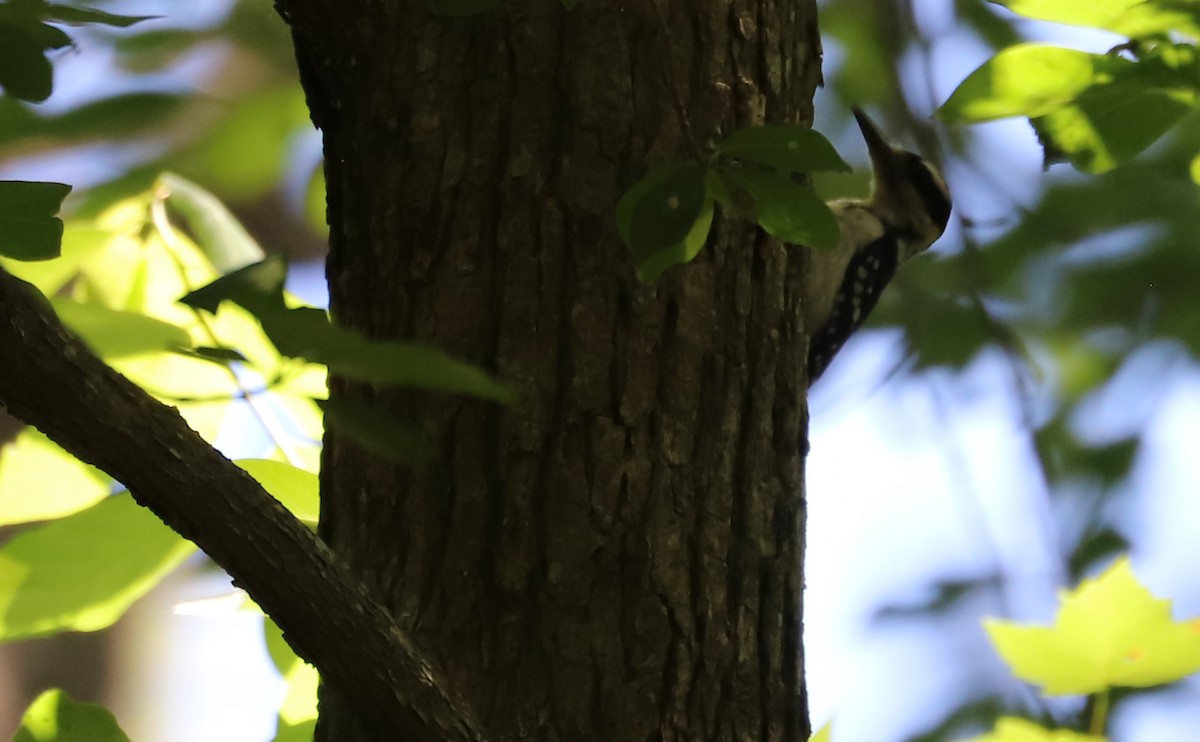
(1109, 632)
(82, 572)
(54, 717)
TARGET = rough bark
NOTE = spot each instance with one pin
(618, 555)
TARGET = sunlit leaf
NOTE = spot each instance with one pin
(302, 732)
(112, 334)
(297, 489)
(82, 572)
(790, 148)
(216, 230)
(824, 734)
(29, 227)
(1109, 632)
(1108, 125)
(1027, 80)
(300, 703)
(1131, 18)
(54, 717)
(1011, 729)
(314, 202)
(40, 481)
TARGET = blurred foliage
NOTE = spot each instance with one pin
(210, 95)
(1109, 632)
(1070, 286)
(54, 717)
(1095, 110)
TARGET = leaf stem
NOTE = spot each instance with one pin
(1099, 714)
(162, 224)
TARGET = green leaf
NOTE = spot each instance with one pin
(218, 233)
(785, 209)
(82, 572)
(652, 266)
(117, 116)
(300, 703)
(659, 211)
(114, 334)
(25, 73)
(1027, 80)
(1109, 632)
(76, 15)
(298, 490)
(40, 481)
(29, 229)
(219, 356)
(307, 333)
(794, 149)
(373, 428)
(246, 155)
(1108, 125)
(1012, 729)
(1131, 18)
(824, 734)
(54, 717)
(302, 732)
(258, 288)
(655, 178)
(570, 4)
(1102, 545)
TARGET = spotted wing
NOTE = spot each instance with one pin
(867, 275)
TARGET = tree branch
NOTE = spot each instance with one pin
(49, 379)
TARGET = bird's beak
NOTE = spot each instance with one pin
(881, 152)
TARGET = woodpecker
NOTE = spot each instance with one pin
(906, 213)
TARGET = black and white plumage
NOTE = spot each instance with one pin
(907, 212)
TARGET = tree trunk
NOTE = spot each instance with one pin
(617, 556)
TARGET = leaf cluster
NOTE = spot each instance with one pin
(665, 218)
(1094, 110)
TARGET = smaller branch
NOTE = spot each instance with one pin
(49, 379)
